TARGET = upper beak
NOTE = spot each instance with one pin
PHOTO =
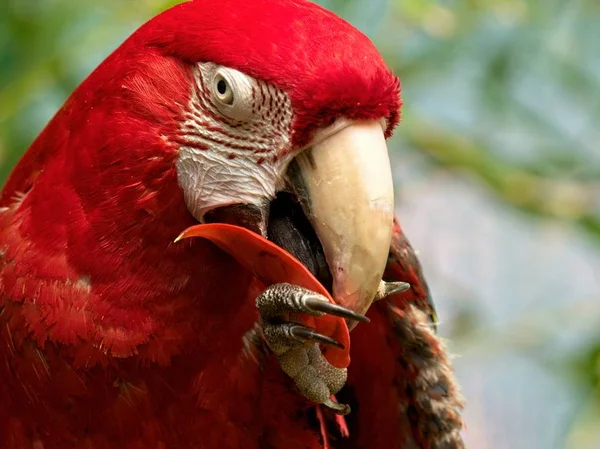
(344, 183)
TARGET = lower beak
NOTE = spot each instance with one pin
(344, 183)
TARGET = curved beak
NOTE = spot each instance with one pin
(344, 183)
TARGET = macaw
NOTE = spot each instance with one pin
(264, 119)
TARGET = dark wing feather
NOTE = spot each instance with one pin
(401, 385)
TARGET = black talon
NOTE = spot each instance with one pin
(391, 288)
(337, 408)
(305, 334)
(319, 305)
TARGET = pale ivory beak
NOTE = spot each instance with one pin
(344, 183)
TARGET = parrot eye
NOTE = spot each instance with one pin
(232, 93)
(223, 90)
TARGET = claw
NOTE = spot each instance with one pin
(318, 305)
(306, 334)
(340, 409)
(297, 345)
(390, 288)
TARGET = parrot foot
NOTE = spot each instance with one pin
(297, 346)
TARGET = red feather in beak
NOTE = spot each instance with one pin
(273, 265)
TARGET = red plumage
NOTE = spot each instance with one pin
(113, 337)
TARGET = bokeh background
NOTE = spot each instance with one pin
(497, 168)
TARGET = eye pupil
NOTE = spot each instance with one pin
(222, 87)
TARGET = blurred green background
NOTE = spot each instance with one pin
(497, 167)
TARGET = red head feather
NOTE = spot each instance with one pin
(327, 66)
(136, 96)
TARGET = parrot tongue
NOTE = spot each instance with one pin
(283, 222)
(290, 229)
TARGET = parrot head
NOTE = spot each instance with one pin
(289, 98)
(268, 114)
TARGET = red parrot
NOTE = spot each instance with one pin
(116, 332)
